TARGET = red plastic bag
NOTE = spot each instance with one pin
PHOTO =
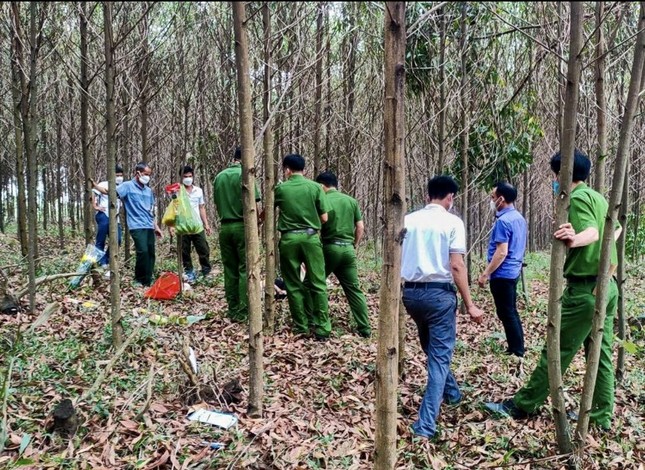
(164, 288)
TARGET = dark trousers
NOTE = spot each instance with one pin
(102, 232)
(434, 310)
(144, 244)
(200, 243)
(505, 295)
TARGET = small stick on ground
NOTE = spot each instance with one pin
(146, 405)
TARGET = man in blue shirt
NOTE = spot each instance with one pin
(505, 256)
(139, 203)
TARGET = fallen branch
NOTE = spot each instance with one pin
(5, 391)
(146, 405)
(106, 370)
(42, 319)
(52, 277)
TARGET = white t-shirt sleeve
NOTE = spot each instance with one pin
(201, 201)
(458, 237)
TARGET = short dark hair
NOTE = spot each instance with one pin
(186, 169)
(328, 179)
(506, 190)
(581, 165)
(294, 162)
(118, 169)
(440, 186)
(141, 166)
(237, 155)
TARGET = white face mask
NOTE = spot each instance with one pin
(188, 181)
(493, 207)
(144, 179)
(119, 180)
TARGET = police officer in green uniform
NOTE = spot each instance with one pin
(340, 236)
(583, 236)
(227, 189)
(303, 207)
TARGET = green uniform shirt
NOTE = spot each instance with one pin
(588, 209)
(227, 189)
(301, 202)
(342, 217)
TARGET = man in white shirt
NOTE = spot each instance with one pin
(196, 196)
(432, 264)
(101, 205)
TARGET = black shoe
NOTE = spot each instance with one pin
(507, 409)
(321, 338)
(365, 334)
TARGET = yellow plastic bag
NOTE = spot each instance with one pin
(170, 215)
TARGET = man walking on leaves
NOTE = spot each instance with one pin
(303, 210)
(227, 190)
(340, 236)
(583, 236)
(432, 263)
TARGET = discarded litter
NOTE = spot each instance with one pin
(222, 420)
(89, 258)
(214, 445)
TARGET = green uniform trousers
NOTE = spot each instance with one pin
(233, 249)
(341, 260)
(295, 249)
(578, 303)
(144, 245)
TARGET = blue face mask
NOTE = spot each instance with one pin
(556, 187)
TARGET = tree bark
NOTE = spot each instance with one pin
(604, 270)
(318, 86)
(269, 181)
(601, 101)
(88, 157)
(558, 250)
(115, 281)
(256, 385)
(621, 276)
(16, 92)
(441, 138)
(394, 200)
(465, 128)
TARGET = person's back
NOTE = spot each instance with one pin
(228, 193)
(299, 201)
(342, 217)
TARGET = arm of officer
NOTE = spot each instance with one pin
(359, 232)
(460, 275)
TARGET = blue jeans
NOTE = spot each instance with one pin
(434, 310)
(102, 231)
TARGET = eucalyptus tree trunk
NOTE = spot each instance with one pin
(621, 276)
(441, 138)
(558, 248)
(88, 157)
(115, 280)
(349, 91)
(465, 127)
(604, 270)
(318, 86)
(256, 385)
(16, 92)
(394, 201)
(269, 180)
(601, 101)
(59, 179)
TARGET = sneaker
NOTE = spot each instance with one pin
(506, 409)
(190, 277)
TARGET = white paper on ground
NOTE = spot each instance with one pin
(222, 420)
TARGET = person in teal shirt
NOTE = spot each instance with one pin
(341, 234)
(583, 236)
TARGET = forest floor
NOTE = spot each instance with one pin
(319, 397)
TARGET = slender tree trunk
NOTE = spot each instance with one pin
(601, 101)
(88, 157)
(622, 278)
(349, 89)
(605, 269)
(465, 127)
(59, 179)
(115, 280)
(558, 250)
(318, 103)
(16, 92)
(441, 156)
(394, 200)
(269, 180)
(256, 385)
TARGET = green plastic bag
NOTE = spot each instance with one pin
(186, 221)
